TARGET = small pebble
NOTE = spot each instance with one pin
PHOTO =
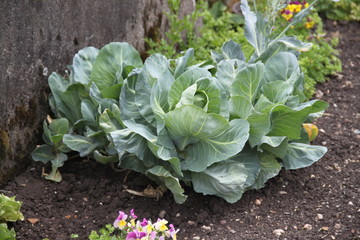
(206, 227)
(178, 215)
(162, 214)
(319, 217)
(337, 226)
(33, 220)
(258, 202)
(232, 231)
(307, 227)
(223, 222)
(278, 232)
(319, 94)
(325, 228)
(312, 176)
(282, 192)
(196, 238)
(191, 223)
(351, 203)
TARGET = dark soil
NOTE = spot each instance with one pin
(318, 202)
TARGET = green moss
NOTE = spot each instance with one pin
(4, 144)
(25, 115)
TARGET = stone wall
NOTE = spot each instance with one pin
(38, 37)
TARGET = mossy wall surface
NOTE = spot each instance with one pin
(38, 37)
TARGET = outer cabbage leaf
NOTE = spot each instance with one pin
(301, 155)
(81, 144)
(288, 121)
(127, 141)
(228, 179)
(45, 153)
(278, 146)
(82, 65)
(269, 168)
(159, 173)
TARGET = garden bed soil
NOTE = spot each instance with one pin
(318, 202)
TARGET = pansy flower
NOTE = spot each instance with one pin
(135, 235)
(132, 214)
(287, 14)
(160, 225)
(172, 232)
(120, 221)
(309, 24)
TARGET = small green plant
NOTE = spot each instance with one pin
(128, 228)
(9, 212)
(348, 10)
(322, 59)
(71, 236)
(6, 233)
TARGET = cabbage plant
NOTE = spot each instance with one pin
(223, 128)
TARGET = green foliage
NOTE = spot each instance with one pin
(322, 60)
(10, 209)
(219, 25)
(106, 233)
(182, 34)
(84, 111)
(5, 233)
(224, 128)
(348, 10)
(9, 212)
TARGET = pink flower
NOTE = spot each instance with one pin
(135, 235)
(153, 235)
(132, 214)
(172, 231)
(120, 221)
(144, 222)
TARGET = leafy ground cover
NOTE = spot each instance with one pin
(221, 23)
(319, 202)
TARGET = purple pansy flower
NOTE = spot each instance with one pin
(134, 235)
(144, 222)
(120, 221)
(132, 214)
(153, 235)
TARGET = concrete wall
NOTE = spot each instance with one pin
(38, 37)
